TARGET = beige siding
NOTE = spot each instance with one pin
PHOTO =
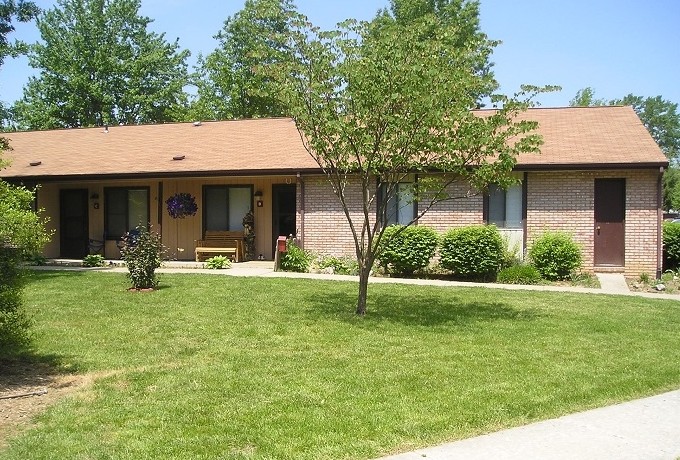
(179, 235)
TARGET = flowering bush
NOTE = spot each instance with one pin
(181, 205)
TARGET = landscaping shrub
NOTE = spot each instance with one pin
(218, 263)
(407, 249)
(14, 323)
(555, 255)
(94, 260)
(295, 259)
(671, 245)
(472, 252)
(142, 252)
(519, 274)
(339, 265)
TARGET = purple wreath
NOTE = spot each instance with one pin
(181, 205)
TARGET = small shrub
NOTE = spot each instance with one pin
(472, 252)
(645, 278)
(142, 252)
(295, 259)
(339, 265)
(218, 263)
(510, 253)
(94, 260)
(519, 274)
(671, 245)
(36, 259)
(555, 255)
(407, 249)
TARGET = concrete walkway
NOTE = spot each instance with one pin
(643, 429)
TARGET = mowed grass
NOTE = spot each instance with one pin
(213, 366)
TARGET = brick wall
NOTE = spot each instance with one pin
(556, 201)
(564, 201)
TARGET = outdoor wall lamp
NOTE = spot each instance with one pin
(95, 197)
(258, 195)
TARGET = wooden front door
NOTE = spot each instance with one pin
(610, 218)
(74, 223)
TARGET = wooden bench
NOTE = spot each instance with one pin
(220, 243)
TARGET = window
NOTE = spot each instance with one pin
(400, 208)
(505, 206)
(225, 206)
(126, 208)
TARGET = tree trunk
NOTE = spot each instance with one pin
(364, 273)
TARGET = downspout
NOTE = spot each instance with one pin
(301, 237)
(659, 226)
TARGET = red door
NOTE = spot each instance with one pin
(610, 218)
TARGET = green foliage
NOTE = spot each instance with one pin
(474, 252)
(218, 263)
(671, 245)
(142, 252)
(586, 98)
(14, 323)
(99, 64)
(392, 97)
(339, 265)
(510, 256)
(94, 260)
(295, 259)
(519, 274)
(229, 85)
(555, 255)
(407, 249)
(22, 11)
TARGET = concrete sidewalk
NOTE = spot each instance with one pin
(643, 429)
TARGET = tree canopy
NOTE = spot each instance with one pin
(228, 84)
(99, 65)
(385, 100)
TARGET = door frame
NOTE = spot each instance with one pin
(276, 189)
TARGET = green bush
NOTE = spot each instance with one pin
(339, 265)
(407, 249)
(295, 259)
(555, 255)
(94, 260)
(519, 274)
(474, 252)
(14, 323)
(218, 262)
(671, 245)
(142, 252)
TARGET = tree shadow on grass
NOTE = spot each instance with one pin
(26, 368)
(420, 310)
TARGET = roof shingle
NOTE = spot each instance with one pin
(573, 137)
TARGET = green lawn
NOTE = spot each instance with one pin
(213, 366)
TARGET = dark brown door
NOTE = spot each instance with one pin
(283, 210)
(610, 217)
(73, 223)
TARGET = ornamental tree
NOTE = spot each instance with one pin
(382, 101)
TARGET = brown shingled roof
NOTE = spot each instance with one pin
(574, 137)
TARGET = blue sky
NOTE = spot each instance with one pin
(615, 46)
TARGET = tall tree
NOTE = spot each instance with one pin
(228, 84)
(662, 120)
(22, 231)
(586, 98)
(381, 101)
(10, 11)
(99, 64)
